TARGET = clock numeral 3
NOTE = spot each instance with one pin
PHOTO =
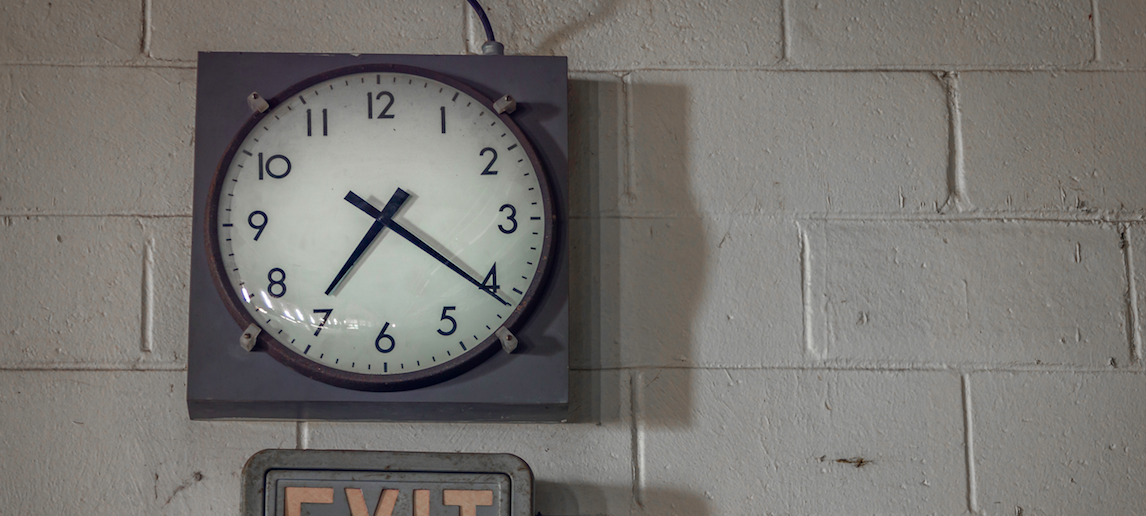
(382, 335)
(453, 322)
(487, 171)
(268, 166)
(370, 97)
(260, 226)
(512, 213)
(322, 324)
(281, 282)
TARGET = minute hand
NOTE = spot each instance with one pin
(397, 228)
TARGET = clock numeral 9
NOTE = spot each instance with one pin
(281, 282)
(260, 226)
(453, 322)
(487, 171)
(267, 168)
(370, 97)
(382, 335)
(512, 213)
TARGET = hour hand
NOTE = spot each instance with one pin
(381, 219)
(365, 206)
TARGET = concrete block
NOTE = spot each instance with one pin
(717, 292)
(1136, 237)
(581, 467)
(625, 35)
(800, 442)
(769, 142)
(70, 31)
(182, 29)
(1122, 27)
(1066, 141)
(170, 279)
(1059, 443)
(75, 291)
(935, 33)
(596, 143)
(96, 141)
(684, 292)
(119, 443)
(992, 292)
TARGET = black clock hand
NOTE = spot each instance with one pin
(381, 219)
(404, 233)
(397, 228)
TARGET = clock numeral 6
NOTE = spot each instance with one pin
(281, 282)
(487, 171)
(453, 322)
(370, 97)
(260, 226)
(512, 213)
(267, 167)
(382, 335)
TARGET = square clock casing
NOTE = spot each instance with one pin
(224, 381)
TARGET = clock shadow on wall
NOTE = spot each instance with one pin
(227, 382)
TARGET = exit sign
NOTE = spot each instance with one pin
(368, 483)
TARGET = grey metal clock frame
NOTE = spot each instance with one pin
(227, 382)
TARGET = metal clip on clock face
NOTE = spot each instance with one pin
(381, 224)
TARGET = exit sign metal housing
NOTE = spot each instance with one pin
(356, 483)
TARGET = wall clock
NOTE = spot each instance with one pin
(387, 230)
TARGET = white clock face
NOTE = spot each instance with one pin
(381, 224)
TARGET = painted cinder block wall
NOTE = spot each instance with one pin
(829, 257)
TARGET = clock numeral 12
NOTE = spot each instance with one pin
(308, 131)
(370, 98)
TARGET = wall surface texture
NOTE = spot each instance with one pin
(829, 256)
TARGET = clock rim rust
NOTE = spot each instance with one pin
(386, 382)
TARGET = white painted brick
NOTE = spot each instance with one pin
(582, 467)
(1123, 32)
(970, 292)
(719, 292)
(119, 443)
(1060, 443)
(74, 290)
(914, 33)
(183, 29)
(171, 279)
(70, 31)
(98, 140)
(596, 143)
(1136, 236)
(720, 142)
(625, 35)
(768, 442)
(1067, 141)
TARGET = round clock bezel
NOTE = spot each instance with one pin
(359, 381)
